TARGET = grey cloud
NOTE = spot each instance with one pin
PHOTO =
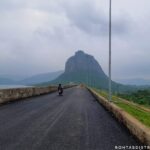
(38, 36)
(56, 34)
(121, 26)
(9, 5)
(87, 18)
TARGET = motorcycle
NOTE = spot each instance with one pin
(60, 92)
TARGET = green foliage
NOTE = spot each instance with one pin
(142, 115)
(138, 113)
(140, 97)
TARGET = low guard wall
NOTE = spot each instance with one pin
(138, 129)
(8, 95)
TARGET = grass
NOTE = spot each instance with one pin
(141, 97)
(134, 110)
(139, 114)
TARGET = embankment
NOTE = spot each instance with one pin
(9, 95)
(138, 129)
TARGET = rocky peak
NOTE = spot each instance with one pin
(79, 53)
(82, 62)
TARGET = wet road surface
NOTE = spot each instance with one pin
(74, 121)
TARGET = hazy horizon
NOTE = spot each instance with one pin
(39, 36)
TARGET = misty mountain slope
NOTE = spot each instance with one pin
(136, 81)
(15, 77)
(36, 79)
(45, 77)
(83, 68)
(6, 81)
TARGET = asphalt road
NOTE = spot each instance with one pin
(75, 121)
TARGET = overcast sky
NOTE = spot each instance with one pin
(37, 36)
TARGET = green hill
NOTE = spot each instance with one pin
(36, 79)
(84, 68)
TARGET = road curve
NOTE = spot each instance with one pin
(75, 121)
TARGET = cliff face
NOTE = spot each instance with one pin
(83, 68)
(83, 62)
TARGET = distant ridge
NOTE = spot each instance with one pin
(79, 68)
(36, 79)
(84, 68)
(134, 81)
(6, 81)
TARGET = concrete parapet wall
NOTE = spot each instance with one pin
(138, 129)
(8, 95)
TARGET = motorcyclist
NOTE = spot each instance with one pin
(60, 89)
